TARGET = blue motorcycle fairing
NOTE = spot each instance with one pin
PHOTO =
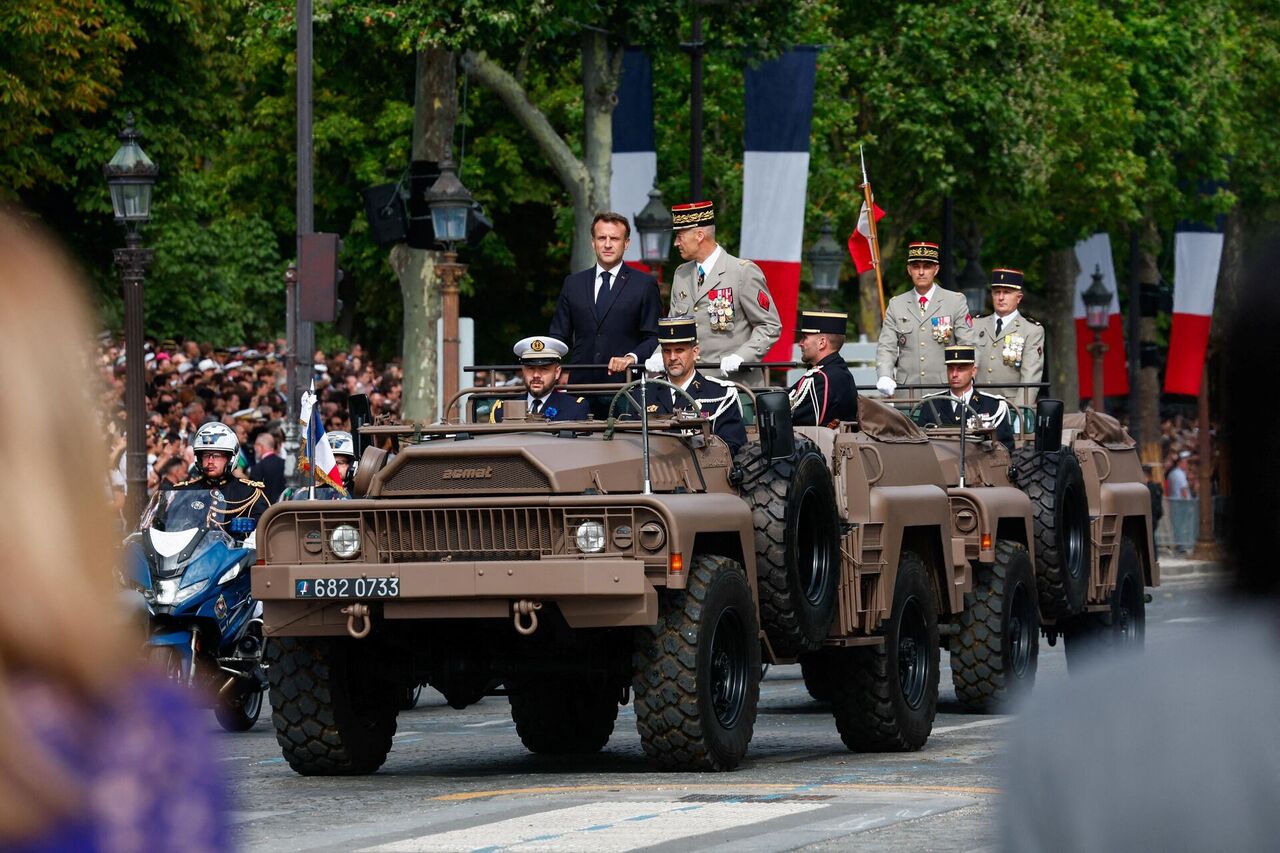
(135, 567)
(180, 640)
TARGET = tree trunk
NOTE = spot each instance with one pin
(601, 71)
(1146, 397)
(435, 113)
(571, 171)
(1061, 270)
(1225, 303)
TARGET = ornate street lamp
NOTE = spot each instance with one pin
(653, 225)
(825, 259)
(131, 175)
(1097, 307)
(449, 202)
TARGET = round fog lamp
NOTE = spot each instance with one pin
(590, 537)
(344, 541)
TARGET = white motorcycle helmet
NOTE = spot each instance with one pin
(215, 436)
(341, 444)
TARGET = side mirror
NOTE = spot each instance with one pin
(361, 415)
(773, 419)
(243, 524)
(1049, 425)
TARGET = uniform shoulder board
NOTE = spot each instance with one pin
(1032, 320)
(725, 383)
(256, 484)
(190, 482)
(580, 399)
(934, 394)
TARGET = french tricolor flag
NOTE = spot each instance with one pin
(1092, 253)
(1197, 252)
(635, 159)
(317, 455)
(775, 176)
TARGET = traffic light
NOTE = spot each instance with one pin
(318, 277)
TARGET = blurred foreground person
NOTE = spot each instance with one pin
(95, 753)
(1177, 749)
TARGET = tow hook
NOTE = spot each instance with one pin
(525, 607)
(355, 612)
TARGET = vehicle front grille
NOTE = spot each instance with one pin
(431, 535)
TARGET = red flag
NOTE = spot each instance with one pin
(860, 239)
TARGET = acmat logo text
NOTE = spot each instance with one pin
(467, 473)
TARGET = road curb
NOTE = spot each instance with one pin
(1181, 567)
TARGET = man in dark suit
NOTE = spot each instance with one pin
(943, 408)
(717, 399)
(608, 314)
(540, 365)
(826, 394)
(269, 469)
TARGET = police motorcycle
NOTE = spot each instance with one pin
(190, 564)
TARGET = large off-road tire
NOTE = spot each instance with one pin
(1123, 627)
(697, 672)
(332, 714)
(885, 697)
(797, 535)
(816, 667)
(1060, 509)
(239, 711)
(560, 716)
(994, 656)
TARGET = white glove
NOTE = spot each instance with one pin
(730, 364)
(653, 363)
(886, 386)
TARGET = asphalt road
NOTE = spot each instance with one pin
(461, 780)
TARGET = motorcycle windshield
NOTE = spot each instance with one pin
(178, 510)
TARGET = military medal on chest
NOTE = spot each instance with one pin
(720, 309)
(1012, 353)
(942, 329)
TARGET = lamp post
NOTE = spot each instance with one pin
(131, 175)
(653, 224)
(449, 202)
(1097, 305)
(825, 259)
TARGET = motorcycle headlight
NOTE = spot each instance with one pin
(590, 537)
(170, 595)
(188, 591)
(344, 541)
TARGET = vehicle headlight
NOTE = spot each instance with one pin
(344, 541)
(171, 595)
(590, 537)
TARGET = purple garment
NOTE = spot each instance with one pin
(146, 761)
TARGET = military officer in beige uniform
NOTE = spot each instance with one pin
(737, 318)
(919, 325)
(1010, 344)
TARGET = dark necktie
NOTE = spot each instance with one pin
(602, 292)
(537, 404)
(999, 325)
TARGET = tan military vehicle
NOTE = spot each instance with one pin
(568, 565)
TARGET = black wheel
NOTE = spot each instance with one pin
(332, 714)
(563, 716)
(994, 656)
(409, 700)
(238, 711)
(885, 697)
(816, 667)
(697, 672)
(1060, 508)
(797, 534)
(1123, 627)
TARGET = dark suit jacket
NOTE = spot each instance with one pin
(270, 472)
(566, 406)
(941, 410)
(629, 323)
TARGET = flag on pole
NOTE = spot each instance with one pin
(1197, 255)
(317, 455)
(635, 158)
(860, 239)
(1092, 253)
(775, 176)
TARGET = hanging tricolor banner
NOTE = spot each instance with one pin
(1197, 253)
(635, 159)
(317, 455)
(1095, 253)
(775, 175)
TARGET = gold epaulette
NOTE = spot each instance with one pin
(255, 483)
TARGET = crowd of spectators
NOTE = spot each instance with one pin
(188, 383)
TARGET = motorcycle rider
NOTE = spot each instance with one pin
(215, 445)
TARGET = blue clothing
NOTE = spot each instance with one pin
(626, 322)
(559, 406)
(146, 762)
